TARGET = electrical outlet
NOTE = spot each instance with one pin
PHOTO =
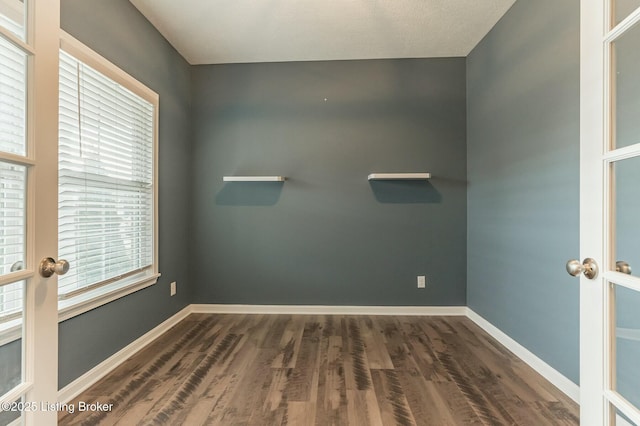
(174, 289)
(422, 281)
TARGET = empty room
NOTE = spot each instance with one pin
(349, 212)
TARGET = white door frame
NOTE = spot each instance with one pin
(39, 385)
(591, 219)
(41, 325)
(597, 218)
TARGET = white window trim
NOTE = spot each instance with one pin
(84, 53)
(92, 299)
(76, 305)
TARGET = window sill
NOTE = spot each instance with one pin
(85, 302)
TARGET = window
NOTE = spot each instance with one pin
(107, 180)
(107, 190)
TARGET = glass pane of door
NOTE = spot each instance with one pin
(627, 344)
(626, 88)
(7, 417)
(13, 98)
(626, 182)
(623, 8)
(621, 420)
(11, 313)
(11, 337)
(12, 13)
(12, 217)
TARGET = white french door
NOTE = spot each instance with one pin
(29, 45)
(610, 213)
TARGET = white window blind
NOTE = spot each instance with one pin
(12, 16)
(106, 206)
(13, 63)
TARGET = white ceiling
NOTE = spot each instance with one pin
(233, 31)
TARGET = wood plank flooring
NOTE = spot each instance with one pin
(324, 370)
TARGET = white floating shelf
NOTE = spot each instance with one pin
(399, 176)
(254, 178)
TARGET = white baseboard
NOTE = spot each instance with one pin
(89, 378)
(330, 310)
(545, 370)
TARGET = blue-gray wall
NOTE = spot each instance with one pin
(523, 171)
(327, 235)
(117, 31)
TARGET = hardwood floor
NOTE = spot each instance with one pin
(324, 370)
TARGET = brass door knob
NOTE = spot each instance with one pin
(588, 267)
(624, 267)
(48, 267)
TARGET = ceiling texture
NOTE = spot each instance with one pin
(240, 31)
